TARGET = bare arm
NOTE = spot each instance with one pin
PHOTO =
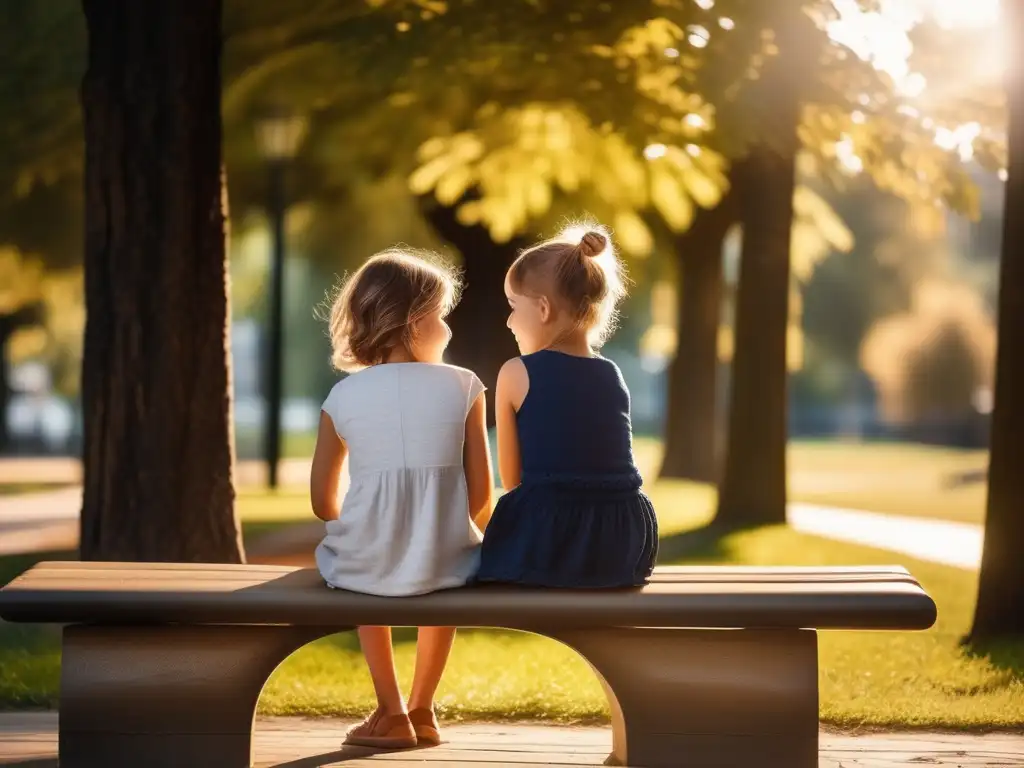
(328, 457)
(513, 384)
(476, 459)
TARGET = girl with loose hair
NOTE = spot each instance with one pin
(414, 432)
(574, 514)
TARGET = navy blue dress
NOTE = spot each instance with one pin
(578, 519)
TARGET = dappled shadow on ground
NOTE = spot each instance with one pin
(1005, 655)
(969, 477)
(344, 755)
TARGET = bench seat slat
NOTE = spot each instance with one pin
(660, 570)
(697, 596)
(133, 579)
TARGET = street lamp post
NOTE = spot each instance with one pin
(279, 134)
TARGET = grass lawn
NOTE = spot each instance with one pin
(897, 478)
(17, 489)
(878, 679)
(900, 479)
(294, 445)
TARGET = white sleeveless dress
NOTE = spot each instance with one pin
(404, 527)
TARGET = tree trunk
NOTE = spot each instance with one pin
(1000, 609)
(481, 340)
(158, 454)
(753, 488)
(691, 450)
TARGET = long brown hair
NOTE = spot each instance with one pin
(374, 309)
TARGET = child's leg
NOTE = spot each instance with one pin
(380, 658)
(433, 644)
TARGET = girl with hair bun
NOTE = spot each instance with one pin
(574, 514)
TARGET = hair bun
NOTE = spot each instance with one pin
(592, 244)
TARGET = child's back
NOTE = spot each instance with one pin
(575, 419)
(578, 517)
(404, 526)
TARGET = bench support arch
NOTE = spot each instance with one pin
(176, 695)
(167, 696)
(714, 698)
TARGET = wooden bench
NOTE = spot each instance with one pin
(706, 666)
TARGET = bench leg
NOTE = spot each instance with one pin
(163, 696)
(707, 698)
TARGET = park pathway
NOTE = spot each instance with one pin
(29, 740)
(937, 541)
(47, 521)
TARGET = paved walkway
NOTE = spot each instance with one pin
(30, 740)
(937, 541)
(28, 470)
(47, 521)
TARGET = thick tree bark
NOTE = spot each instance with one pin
(753, 487)
(691, 443)
(481, 340)
(158, 453)
(691, 427)
(1000, 609)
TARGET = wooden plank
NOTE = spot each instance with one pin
(307, 581)
(465, 745)
(190, 578)
(724, 597)
(29, 740)
(199, 583)
(661, 573)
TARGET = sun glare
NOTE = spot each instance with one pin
(961, 13)
(882, 37)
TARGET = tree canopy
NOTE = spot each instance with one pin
(540, 107)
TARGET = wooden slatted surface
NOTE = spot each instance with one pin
(699, 596)
(29, 740)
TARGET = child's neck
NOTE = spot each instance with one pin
(574, 344)
(400, 355)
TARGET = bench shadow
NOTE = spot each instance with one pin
(343, 755)
(955, 480)
(704, 543)
(34, 762)
(348, 640)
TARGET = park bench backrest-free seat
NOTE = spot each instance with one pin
(714, 667)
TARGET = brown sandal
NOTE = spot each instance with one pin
(428, 732)
(380, 731)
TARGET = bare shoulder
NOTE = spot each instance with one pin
(513, 381)
(513, 372)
